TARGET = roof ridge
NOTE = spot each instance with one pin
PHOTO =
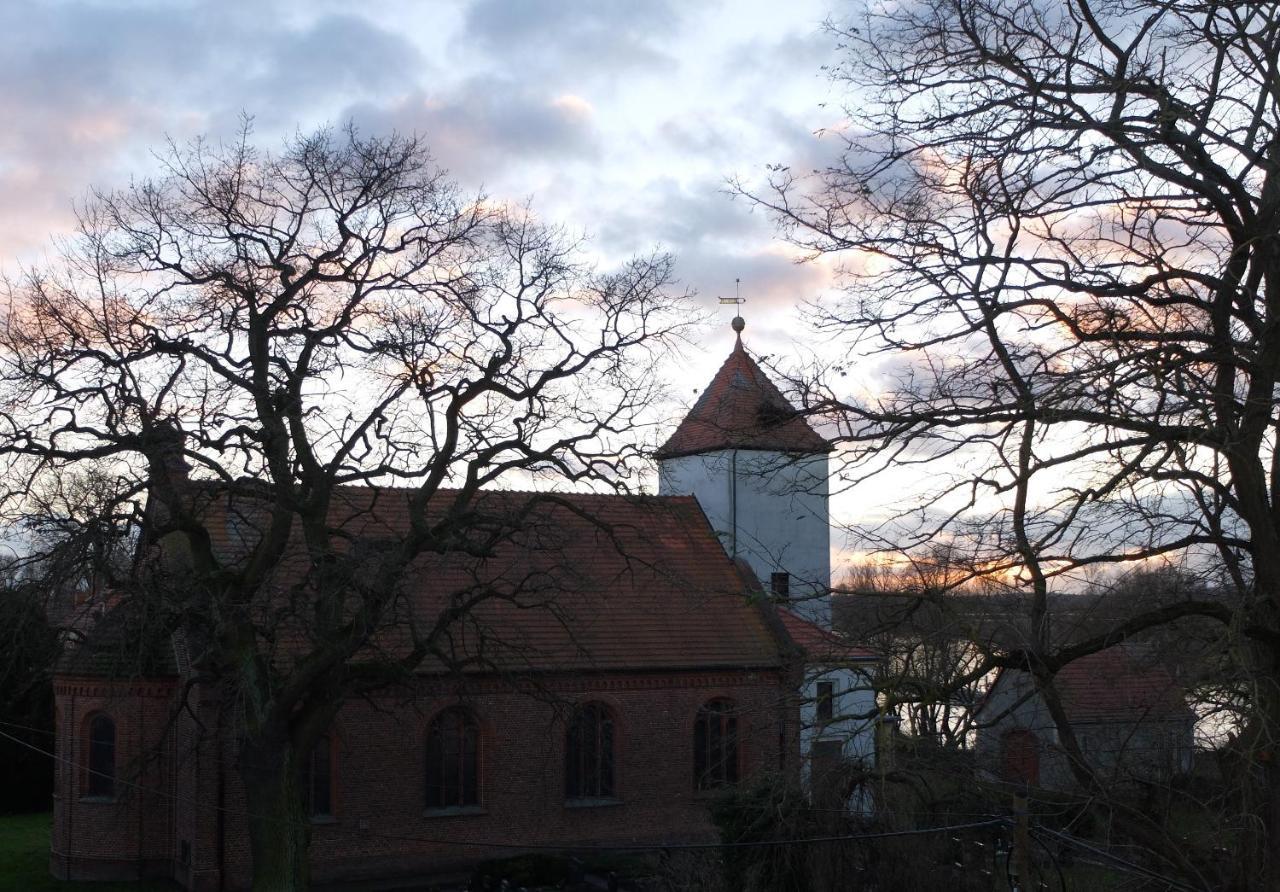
(211, 483)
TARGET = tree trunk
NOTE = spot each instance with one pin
(1259, 774)
(279, 827)
(1264, 753)
(1271, 823)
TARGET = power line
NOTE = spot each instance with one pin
(989, 821)
(1118, 861)
(652, 847)
(46, 731)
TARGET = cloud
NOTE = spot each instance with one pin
(809, 49)
(488, 124)
(669, 211)
(94, 87)
(201, 54)
(715, 238)
(576, 35)
(337, 56)
(694, 135)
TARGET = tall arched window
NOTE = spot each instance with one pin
(101, 780)
(319, 779)
(589, 753)
(453, 753)
(715, 746)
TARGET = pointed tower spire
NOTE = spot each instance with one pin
(742, 409)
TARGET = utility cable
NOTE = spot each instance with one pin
(651, 847)
(1121, 862)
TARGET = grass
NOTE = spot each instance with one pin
(549, 869)
(24, 861)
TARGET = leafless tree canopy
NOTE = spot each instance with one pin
(336, 314)
(1060, 234)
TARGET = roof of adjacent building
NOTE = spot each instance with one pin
(742, 409)
(1113, 685)
(1118, 684)
(822, 645)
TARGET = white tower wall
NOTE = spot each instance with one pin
(769, 508)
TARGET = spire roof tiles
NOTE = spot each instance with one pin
(742, 409)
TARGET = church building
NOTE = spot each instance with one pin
(689, 648)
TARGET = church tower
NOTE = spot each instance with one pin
(759, 471)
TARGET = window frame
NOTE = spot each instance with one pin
(330, 740)
(719, 714)
(824, 701)
(780, 585)
(468, 797)
(596, 784)
(100, 785)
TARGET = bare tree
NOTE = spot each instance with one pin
(1060, 220)
(934, 620)
(289, 326)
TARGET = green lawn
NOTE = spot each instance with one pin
(24, 860)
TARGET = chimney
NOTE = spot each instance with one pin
(166, 456)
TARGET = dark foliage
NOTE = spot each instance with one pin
(26, 698)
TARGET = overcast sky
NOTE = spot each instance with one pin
(619, 118)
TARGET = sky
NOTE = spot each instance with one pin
(620, 119)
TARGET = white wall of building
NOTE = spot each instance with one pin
(782, 519)
(853, 723)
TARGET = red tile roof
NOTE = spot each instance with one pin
(1112, 685)
(1115, 684)
(742, 409)
(822, 645)
(579, 582)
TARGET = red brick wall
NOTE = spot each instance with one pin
(200, 767)
(380, 828)
(130, 835)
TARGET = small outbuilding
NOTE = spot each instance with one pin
(1128, 714)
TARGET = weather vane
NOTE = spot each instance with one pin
(737, 300)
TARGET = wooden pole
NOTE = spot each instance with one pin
(1021, 854)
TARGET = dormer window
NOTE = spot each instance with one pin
(780, 585)
(771, 414)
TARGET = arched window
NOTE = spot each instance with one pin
(715, 746)
(453, 744)
(101, 780)
(319, 779)
(588, 769)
